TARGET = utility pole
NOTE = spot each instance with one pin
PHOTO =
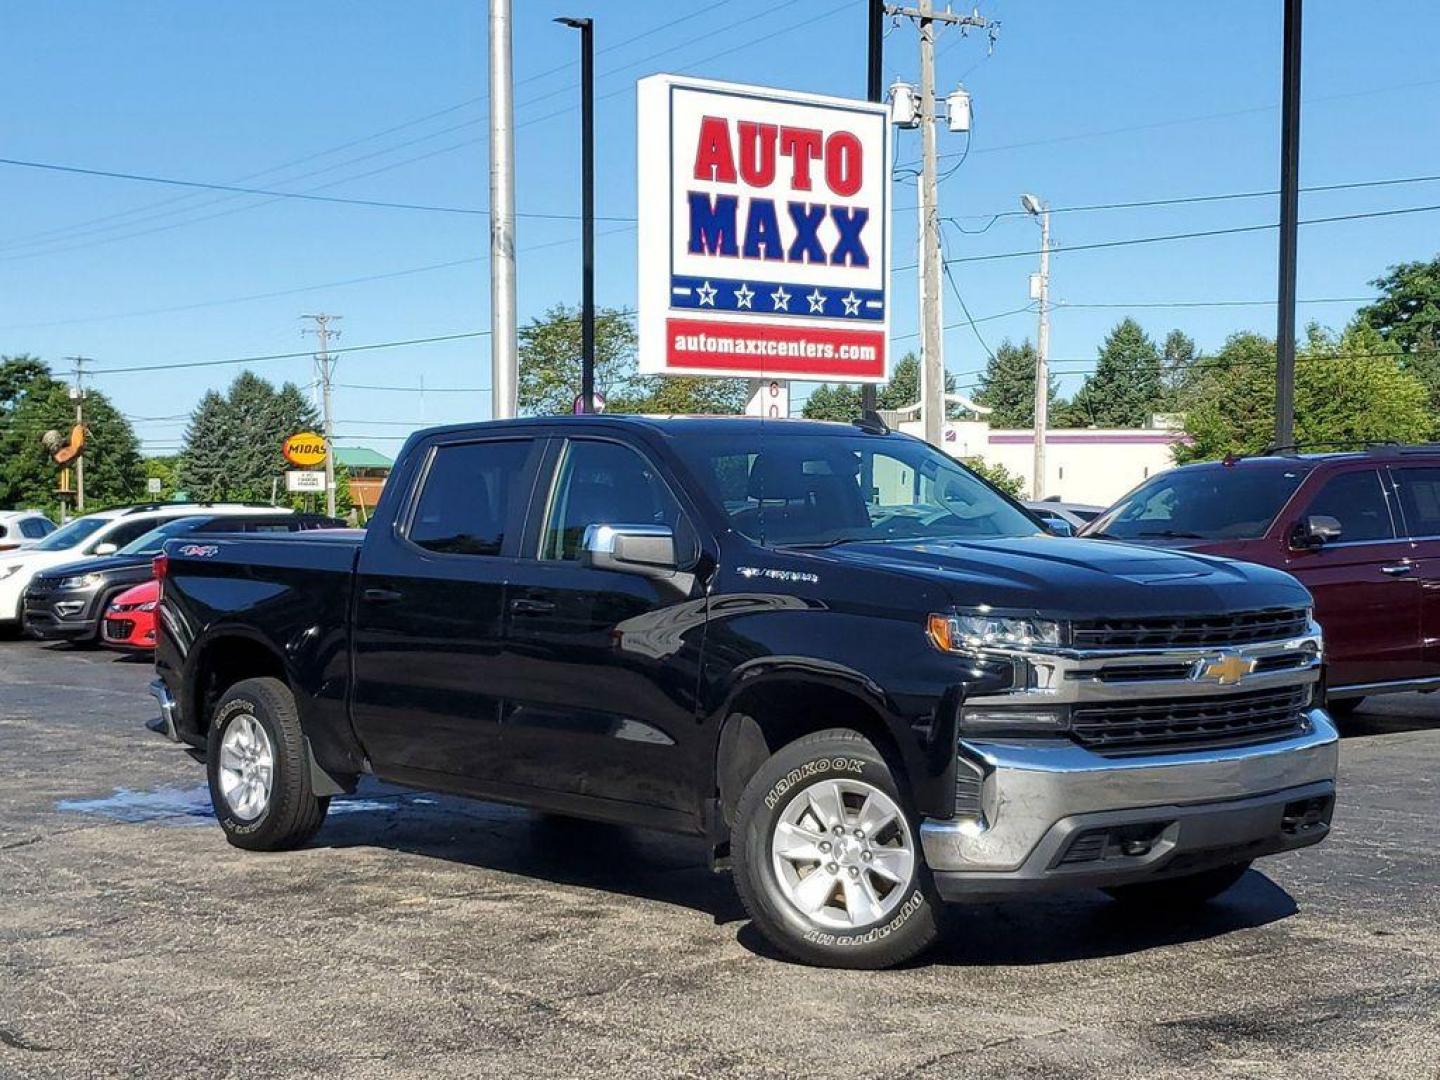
(932, 345)
(503, 350)
(874, 91)
(77, 391)
(1289, 213)
(1041, 292)
(324, 367)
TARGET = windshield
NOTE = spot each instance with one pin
(72, 535)
(151, 542)
(819, 490)
(1214, 503)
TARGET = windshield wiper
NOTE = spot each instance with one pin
(1172, 534)
(811, 545)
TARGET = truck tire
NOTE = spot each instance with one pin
(827, 859)
(259, 769)
(1190, 890)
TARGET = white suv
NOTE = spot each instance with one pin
(22, 528)
(94, 534)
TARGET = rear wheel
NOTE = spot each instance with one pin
(1189, 890)
(259, 769)
(827, 856)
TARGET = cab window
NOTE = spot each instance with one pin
(1356, 500)
(469, 496)
(606, 483)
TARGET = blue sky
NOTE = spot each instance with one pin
(1081, 103)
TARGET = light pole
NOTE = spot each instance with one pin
(1289, 211)
(503, 364)
(587, 209)
(1036, 209)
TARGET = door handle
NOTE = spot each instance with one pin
(380, 596)
(523, 606)
(1397, 569)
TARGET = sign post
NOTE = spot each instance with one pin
(764, 234)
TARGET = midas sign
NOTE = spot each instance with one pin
(764, 238)
(304, 449)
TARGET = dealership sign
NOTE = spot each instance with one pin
(764, 233)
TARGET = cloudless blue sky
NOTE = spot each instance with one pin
(1080, 103)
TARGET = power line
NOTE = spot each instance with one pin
(233, 188)
(1197, 234)
(292, 355)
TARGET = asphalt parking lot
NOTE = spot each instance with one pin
(422, 935)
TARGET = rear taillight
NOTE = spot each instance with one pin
(160, 566)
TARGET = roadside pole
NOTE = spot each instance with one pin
(1289, 214)
(503, 351)
(324, 367)
(587, 209)
(1040, 292)
(78, 392)
(874, 91)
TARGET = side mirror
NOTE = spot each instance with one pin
(105, 549)
(646, 550)
(1058, 526)
(1315, 531)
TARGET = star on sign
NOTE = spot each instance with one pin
(707, 294)
(743, 295)
(817, 301)
(852, 303)
(781, 298)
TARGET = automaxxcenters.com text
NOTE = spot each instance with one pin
(773, 349)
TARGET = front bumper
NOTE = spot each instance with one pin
(1047, 804)
(55, 615)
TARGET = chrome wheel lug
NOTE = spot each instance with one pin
(839, 830)
(859, 834)
(824, 845)
(866, 856)
(854, 871)
(832, 868)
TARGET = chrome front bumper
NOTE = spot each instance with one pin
(1039, 795)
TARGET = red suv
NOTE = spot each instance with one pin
(1360, 530)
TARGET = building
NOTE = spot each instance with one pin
(1083, 465)
(366, 471)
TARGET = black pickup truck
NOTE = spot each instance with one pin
(868, 679)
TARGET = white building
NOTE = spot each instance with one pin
(1083, 465)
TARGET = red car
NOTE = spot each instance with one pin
(130, 619)
(1361, 530)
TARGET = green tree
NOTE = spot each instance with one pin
(165, 468)
(1007, 386)
(232, 443)
(998, 475)
(680, 395)
(1125, 387)
(1178, 371)
(842, 402)
(1344, 395)
(1407, 318)
(32, 402)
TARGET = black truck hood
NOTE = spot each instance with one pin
(96, 565)
(1079, 579)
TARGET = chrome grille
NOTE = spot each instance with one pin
(1240, 628)
(1190, 723)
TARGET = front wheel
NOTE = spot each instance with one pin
(1189, 890)
(259, 769)
(827, 857)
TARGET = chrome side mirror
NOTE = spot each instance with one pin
(105, 549)
(1315, 531)
(646, 550)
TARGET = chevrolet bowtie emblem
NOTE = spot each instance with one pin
(1227, 669)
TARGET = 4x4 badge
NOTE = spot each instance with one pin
(1227, 669)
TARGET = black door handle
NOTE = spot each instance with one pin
(523, 606)
(380, 596)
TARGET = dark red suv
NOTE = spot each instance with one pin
(1361, 530)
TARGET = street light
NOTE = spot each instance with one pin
(1038, 210)
(587, 208)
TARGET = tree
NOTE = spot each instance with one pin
(232, 444)
(1178, 359)
(1007, 386)
(903, 390)
(1344, 395)
(551, 371)
(32, 402)
(1407, 318)
(998, 475)
(1125, 388)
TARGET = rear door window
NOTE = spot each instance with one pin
(1357, 501)
(472, 497)
(1419, 491)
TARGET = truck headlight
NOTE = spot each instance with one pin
(80, 581)
(969, 630)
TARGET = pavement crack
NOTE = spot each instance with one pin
(15, 1042)
(21, 843)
